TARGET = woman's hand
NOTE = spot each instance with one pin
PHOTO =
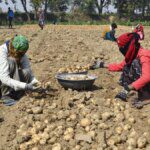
(98, 64)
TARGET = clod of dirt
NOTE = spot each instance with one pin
(83, 137)
(1, 119)
(23, 138)
(148, 121)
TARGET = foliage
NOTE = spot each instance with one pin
(58, 5)
(127, 10)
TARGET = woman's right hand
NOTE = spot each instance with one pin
(97, 64)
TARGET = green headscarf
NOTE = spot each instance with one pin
(20, 43)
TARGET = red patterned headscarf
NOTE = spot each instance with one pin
(129, 46)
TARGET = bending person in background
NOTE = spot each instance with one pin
(135, 77)
(41, 19)
(109, 32)
(10, 17)
(15, 72)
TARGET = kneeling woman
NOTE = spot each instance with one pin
(135, 68)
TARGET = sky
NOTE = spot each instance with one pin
(19, 7)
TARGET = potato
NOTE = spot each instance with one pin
(87, 128)
(62, 70)
(43, 141)
(142, 141)
(133, 134)
(120, 117)
(77, 147)
(111, 142)
(131, 120)
(68, 131)
(36, 138)
(23, 146)
(68, 137)
(73, 117)
(118, 130)
(56, 146)
(35, 148)
(92, 134)
(106, 116)
(103, 126)
(132, 142)
(127, 127)
(85, 122)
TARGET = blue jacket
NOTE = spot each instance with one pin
(10, 13)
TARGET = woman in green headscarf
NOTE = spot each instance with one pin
(15, 71)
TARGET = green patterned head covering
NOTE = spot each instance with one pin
(20, 43)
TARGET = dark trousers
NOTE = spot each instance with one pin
(10, 19)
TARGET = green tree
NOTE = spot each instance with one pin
(144, 7)
(100, 4)
(91, 6)
(24, 4)
(36, 4)
(58, 5)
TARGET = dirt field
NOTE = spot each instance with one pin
(72, 120)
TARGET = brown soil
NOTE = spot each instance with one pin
(60, 46)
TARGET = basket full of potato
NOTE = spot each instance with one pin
(76, 81)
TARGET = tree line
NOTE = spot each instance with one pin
(124, 8)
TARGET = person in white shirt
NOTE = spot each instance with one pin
(15, 71)
(41, 19)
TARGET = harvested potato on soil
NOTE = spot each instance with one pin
(74, 69)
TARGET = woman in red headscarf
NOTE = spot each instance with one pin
(135, 67)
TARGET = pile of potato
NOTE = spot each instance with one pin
(78, 77)
(80, 126)
(74, 69)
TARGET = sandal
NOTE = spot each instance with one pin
(7, 101)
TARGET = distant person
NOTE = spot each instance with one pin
(10, 17)
(15, 72)
(109, 32)
(41, 19)
(135, 68)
